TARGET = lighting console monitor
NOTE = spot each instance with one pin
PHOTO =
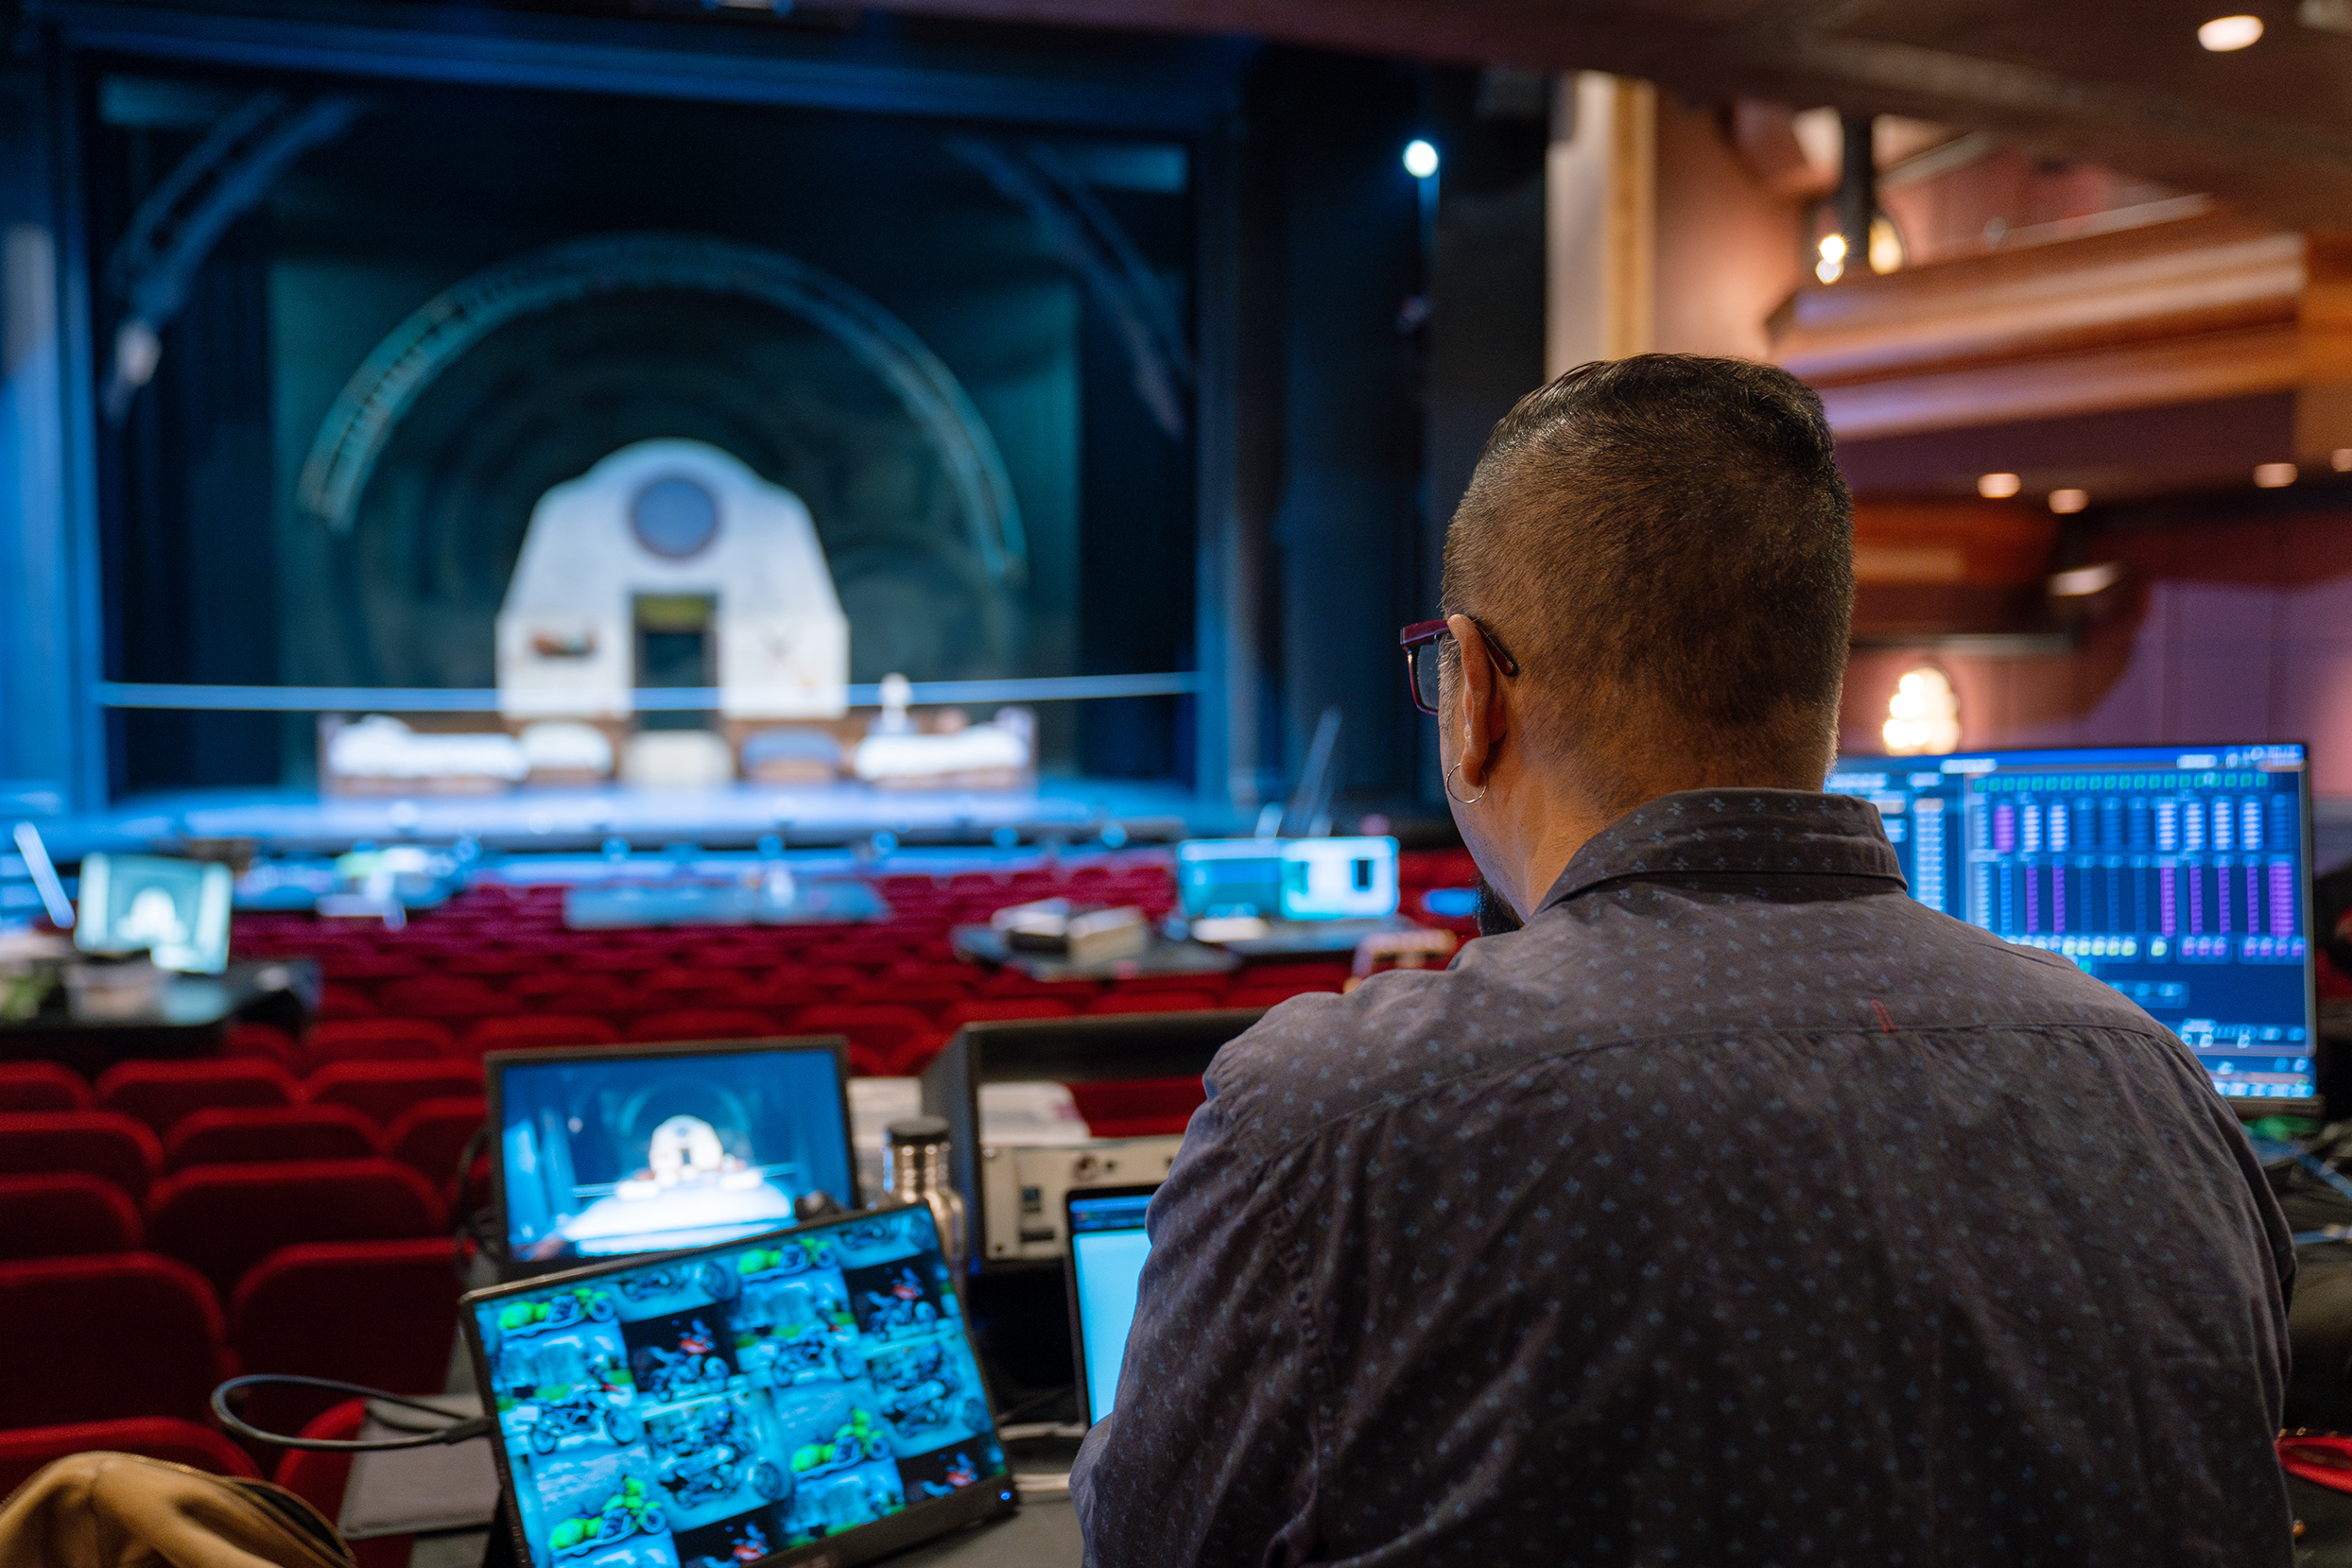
(2177, 874)
(809, 1396)
(606, 1152)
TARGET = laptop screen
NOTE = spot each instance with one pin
(2177, 874)
(609, 1152)
(1108, 1246)
(812, 1394)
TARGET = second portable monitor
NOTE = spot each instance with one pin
(605, 1153)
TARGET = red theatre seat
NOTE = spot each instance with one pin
(99, 1338)
(456, 996)
(881, 1036)
(105, 1144)
(61, 1213)
(337, 1004)
(431, 1136)
(381, 1090)
(541, 1031)
(43, 1086)
(1154, 1001)
(319, 1479)
(264, 1041)
(179, 1442)
(241, 1134)
(381, 1314)
(225, 1219)
(378, 1039)
(1139, 1107)
(703, 1024)
(159, 1092)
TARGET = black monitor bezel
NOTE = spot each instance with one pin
(2314, 1104)
(912, 1526)
(1069, 1275)
(493, 1083)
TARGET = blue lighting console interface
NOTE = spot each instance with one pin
(2178, 875)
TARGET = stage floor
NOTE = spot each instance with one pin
(1070, 811)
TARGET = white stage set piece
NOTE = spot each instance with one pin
(672, 520)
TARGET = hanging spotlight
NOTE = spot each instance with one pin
(2274, 475)
(2225, 33)
(1419, 159)
(1998, 487)
(2064, 501)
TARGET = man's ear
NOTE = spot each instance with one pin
(1478, 711)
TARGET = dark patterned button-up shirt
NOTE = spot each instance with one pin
(1737, 1210)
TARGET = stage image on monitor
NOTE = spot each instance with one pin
(177, 911)
(612, 1152)
(812, 1395)
(2177, 874)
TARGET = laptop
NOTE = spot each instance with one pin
(2178, 875)
(611, 1151)
(809, 1395)
(1108, 1246)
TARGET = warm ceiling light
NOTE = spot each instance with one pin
(1833, 248)
(2341, 460)
(2225, 33)
(2275, 475)
(1998, 487)
(1923, 716)
(2068, 500)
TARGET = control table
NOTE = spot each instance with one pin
(182, 1018)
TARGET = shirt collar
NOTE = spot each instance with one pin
(1740, 832)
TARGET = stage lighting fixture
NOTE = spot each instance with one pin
(2064, 501)
(1998, 487)
(2274, 475)
(2225, 33)
(1419, 159)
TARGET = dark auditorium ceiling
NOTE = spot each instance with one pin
(2121, 83)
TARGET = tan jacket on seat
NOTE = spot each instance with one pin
(120, 1510)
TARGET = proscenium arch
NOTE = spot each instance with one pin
(397, 371)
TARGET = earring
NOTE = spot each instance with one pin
(1456, 799)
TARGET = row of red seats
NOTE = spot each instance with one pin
(108, 1335)
(155, 1117)
(317, 1478)
(71, 1178)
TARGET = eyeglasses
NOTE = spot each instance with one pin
(1421, 642)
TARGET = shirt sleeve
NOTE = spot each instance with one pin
(1209, 1457)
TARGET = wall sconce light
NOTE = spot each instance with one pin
(1923, 716)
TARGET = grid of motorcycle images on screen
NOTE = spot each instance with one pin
(704, 1412)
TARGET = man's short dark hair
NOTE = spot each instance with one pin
(1666, 545)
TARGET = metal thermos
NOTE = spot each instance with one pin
(914, 1167)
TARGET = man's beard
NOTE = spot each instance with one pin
(1496, 916)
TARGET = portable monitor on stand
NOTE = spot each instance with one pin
(603, 1153)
